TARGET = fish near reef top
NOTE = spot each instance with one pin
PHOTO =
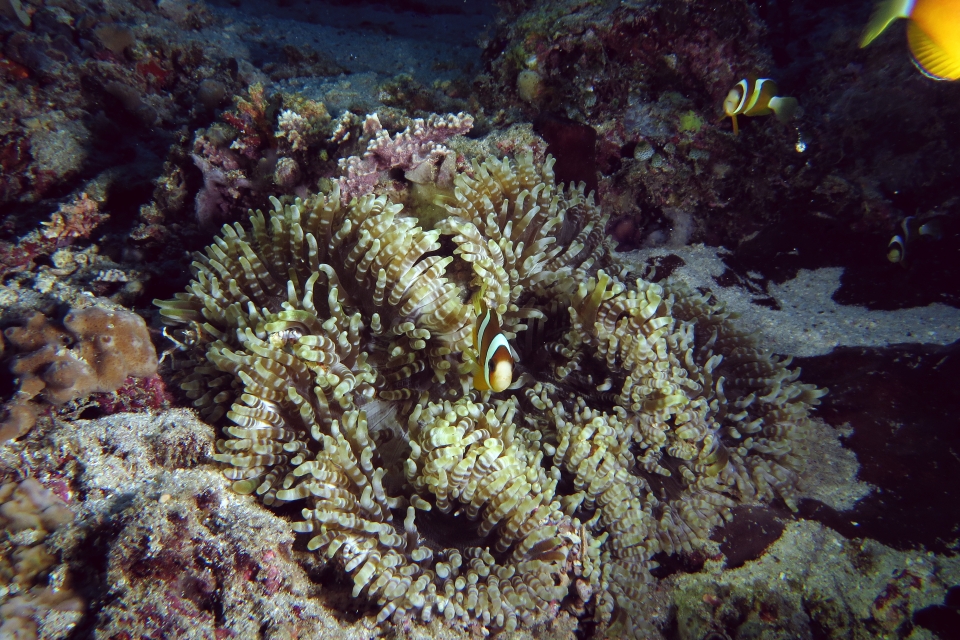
(933, 33)
(494, 358)
(757, 97)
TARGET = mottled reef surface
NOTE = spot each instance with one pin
(130, 132)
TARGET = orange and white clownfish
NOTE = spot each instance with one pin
(933, 33)
(757, 97)
(494, 357)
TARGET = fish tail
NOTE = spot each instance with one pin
(933, 60)
(478, 302)
(479, 383)
(930, 229)
(784, 108)
(885, 13)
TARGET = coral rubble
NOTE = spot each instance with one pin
(335, 337)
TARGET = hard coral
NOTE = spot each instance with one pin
(29, 512)
(252, 120)
(71, 222)
(338, 334)
(92, 350)
(263, 144)
(417, 151)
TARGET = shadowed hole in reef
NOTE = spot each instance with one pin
(749, 534)
(90, 413)
(667, 565)
(336, 592)
(901, 403)
(574, 146)
(942, 619)
(745, 538)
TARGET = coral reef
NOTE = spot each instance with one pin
(334, 336)
(80, 72)
(801, 589)
(162, 546)
(271, 145)
(268, 142)
(92, 350)
(871, 146)
(340, 474)
(71, 222)
(648, 79)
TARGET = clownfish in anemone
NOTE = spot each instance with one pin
(493, 355)
(757, 97)
(933, 33)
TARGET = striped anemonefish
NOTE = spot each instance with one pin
(913, 228)
(933, 33)
(757, 97)
(494, 357)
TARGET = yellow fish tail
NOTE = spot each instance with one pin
(932, 59)
(478, 304)
(479, 383)
(784, 108)
(885, 13)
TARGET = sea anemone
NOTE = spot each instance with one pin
(335, 337)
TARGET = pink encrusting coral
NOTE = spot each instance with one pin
(418, 151)
(223, 182)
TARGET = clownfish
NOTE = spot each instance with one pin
(757, 97)
(494, 357)
(933, 33)
(913, 228)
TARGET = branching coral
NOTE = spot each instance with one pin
(264, 141)
(336, 338)
(71, 222)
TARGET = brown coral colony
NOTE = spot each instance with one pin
(95, 351)
(335, 336)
